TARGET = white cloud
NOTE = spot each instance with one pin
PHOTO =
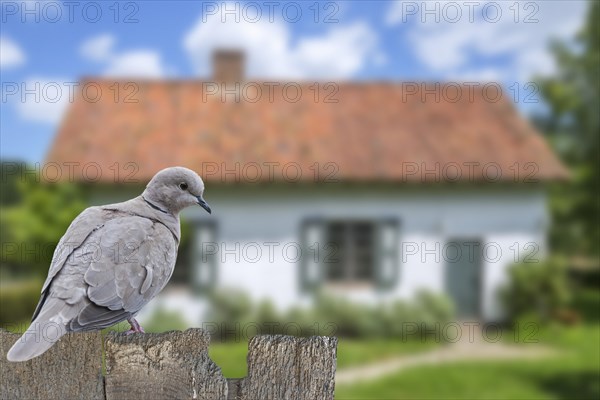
(129, 64)
(478, 75)
(146, 64)
(44, 99)
(463, 47)
(98, 48)
(339, 53)
(11, 54)
(395, 13)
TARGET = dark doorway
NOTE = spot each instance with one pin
(463, 273)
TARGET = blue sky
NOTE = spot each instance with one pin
(361, 40)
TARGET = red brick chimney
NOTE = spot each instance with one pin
(228, 66)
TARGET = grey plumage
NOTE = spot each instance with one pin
(111, 261)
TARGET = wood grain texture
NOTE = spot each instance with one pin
(287, 367)
(71, 369)
(171, 365)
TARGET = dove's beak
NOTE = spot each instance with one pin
(204, 204)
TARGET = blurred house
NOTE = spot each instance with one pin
(371, 190)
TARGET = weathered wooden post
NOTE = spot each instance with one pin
(71, 369)
(287, 367)
(171, 365)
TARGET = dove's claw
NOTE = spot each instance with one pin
(135, 327)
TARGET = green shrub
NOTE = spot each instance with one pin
(350, 319)
(162, 320)
(229, 305)
(537, 288)
(18, 299)
(331, 316)
(587, 303)
(433, 308)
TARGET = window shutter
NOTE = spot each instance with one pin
(206, 253)
(387, 270)
(311, 269)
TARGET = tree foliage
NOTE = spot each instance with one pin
(573, 127)
(33, 222)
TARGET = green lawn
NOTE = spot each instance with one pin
(574, 374)
(355, 352)
(231, 357)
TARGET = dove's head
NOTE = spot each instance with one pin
(174, 189)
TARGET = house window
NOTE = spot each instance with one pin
(350, 252)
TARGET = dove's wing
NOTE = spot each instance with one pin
(83, 225)
(127, 262)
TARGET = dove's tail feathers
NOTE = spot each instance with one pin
(43, 332)
(38, 338)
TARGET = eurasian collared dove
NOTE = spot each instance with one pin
(111, 261)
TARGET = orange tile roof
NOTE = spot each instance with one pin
(374, 132)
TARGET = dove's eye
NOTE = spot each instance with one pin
(183, 186)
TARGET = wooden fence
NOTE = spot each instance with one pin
(171, 365)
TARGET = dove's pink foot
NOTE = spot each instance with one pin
(135, 327)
